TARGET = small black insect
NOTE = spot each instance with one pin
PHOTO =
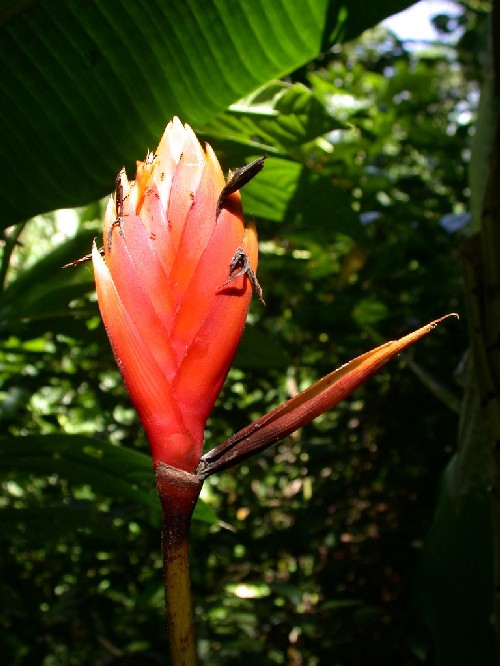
(239, 178)
(118, 208)
(118, 222)
(241, 266)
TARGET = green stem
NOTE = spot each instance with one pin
(178, 492)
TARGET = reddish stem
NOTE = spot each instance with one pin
(178, 492)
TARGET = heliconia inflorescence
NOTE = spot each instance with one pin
(171, 308)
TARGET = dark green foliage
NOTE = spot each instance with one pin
(312, 558)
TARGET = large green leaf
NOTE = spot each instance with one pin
(114, 472)
(455, 581)
(38, 299)
(277, 117)
(88, 86)
(289, 191)
(455, 574)
(286, 122)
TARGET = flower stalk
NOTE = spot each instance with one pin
(178, 491)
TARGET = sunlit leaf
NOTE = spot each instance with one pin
(87, 87)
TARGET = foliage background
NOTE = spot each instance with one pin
(310, 553)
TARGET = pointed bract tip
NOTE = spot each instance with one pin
(450, 315)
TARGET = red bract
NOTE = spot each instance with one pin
(173, 321)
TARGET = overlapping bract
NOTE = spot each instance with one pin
(173, 326)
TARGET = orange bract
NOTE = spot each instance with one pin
(173, 326)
